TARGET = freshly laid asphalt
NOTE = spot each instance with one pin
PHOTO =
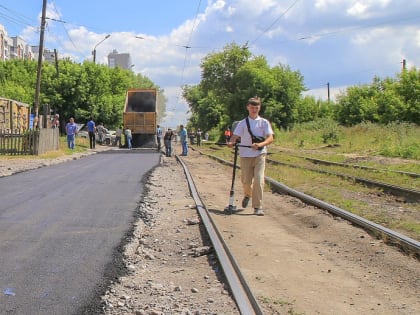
(61, 228)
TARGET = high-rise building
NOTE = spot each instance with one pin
(116, 59)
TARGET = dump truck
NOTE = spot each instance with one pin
(140, 116)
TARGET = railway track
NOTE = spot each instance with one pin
(407, 244)
(242, 293)
(368, 168)
(409, 195)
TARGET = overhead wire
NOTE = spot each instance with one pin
(274, 22)
(325, 33)
(17, 18)
(356, 28)
(187, 46)
(63, 24)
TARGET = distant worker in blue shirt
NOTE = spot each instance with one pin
(91, 127)
(71, 131)
(183, 134)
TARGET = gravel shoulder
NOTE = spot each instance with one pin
(297, 259)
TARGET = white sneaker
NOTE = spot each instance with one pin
(259, 211)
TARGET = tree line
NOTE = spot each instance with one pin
(231, 77)
(75, 90)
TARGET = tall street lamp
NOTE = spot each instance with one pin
(94, 49)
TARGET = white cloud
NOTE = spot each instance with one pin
(357, 9)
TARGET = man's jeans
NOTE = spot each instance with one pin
(70, 141)
(168, 147)
(185, 148)
(92, 139)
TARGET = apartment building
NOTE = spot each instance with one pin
(17, 48)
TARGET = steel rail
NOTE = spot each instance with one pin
(406, 243)
(347, 165)
(245, 300)
(368, 168)
(410, 195)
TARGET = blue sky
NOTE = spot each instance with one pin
(343, 42)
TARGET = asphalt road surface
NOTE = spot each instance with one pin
(61, 228)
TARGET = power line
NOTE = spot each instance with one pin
(275, 21)
(356, 28)
(187, 46)
(64, 27)
(16, 17)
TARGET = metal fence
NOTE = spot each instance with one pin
(31, 142)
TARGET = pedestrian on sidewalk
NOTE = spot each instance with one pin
(71, 131)
(91, 128)
(118, 135)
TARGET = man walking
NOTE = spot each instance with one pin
(128, 136)
(91, 127)
(167, 139)
(183, 134)
(255, 133)
(198, 136)
(101, 133)
(159, 137)
(71, 131)
(118, 134)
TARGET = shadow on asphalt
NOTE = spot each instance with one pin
(134, 150)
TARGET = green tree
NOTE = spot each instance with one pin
(408, 86)
(17, 80)
(383, 101)
(287, 87)
(231, 77)
(358, 104)
(75, 90)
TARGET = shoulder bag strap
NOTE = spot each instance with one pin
(249, 127)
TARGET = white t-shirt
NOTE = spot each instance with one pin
(259, 127)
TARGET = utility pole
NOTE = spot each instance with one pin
(40, 57)
(56, 62)
(404, 64)
(328, 91)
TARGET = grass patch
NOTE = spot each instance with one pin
(393, 140)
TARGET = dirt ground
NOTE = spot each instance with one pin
(300, 258)
(297, 259)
